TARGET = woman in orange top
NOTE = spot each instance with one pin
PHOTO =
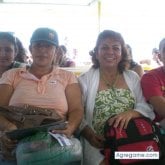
(42, 84)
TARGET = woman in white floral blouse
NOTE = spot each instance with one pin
(108, 89)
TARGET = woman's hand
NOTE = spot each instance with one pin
(6, 125)
(121, 120)
(68, 131)
(10, 127)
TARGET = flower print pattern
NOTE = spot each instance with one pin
(108, 103)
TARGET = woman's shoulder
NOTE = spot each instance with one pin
(91, 71)
(12, 74)
(15, 70)
(64, 73)
(156, 71)
(64, 76)
(89, 78)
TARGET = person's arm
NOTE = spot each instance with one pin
(158, 102)
(94, 139)
(141, 105)
(153, 91)
(75, 109)
(6, 92)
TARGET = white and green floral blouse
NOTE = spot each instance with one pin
(110, 102)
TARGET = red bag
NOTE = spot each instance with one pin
(141, 135)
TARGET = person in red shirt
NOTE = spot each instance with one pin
(153, 86)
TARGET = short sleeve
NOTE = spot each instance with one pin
(67, 77)
(73, 79)
(8, 77)
(151, 86)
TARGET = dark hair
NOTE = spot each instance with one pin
(63, 47)
(9, 37)
(22, 52)
(129, 49)
(114, 35)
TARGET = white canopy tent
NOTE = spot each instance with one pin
(52, 2)
(79, 21)
(74, 20)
